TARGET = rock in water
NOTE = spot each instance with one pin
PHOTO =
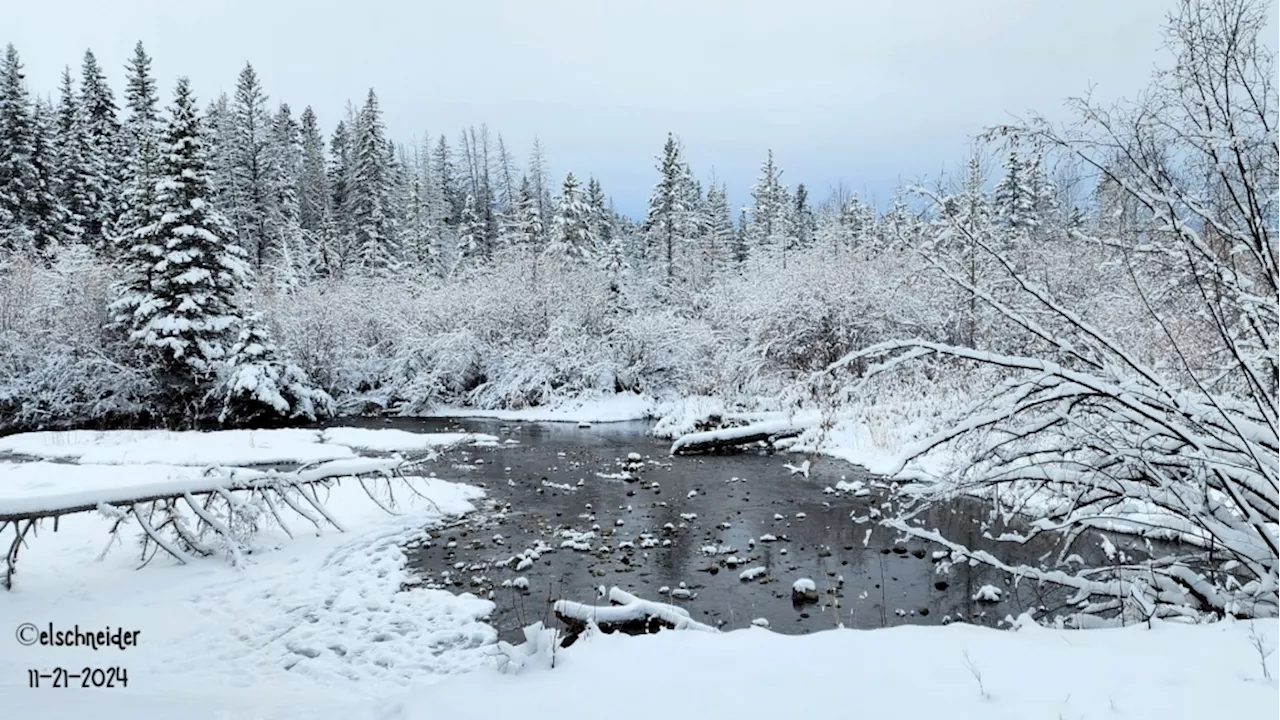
(804, 590)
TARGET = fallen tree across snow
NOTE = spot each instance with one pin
(188, 512)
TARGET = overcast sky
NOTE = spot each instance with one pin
(871, 92)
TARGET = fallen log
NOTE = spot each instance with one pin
(737, 436)
(626, 613)
(195, 509)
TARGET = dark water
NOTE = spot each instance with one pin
(549, 482)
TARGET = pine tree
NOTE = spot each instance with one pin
(103, 162)
(19, 179)
(600, 217)
(741, 238)
(253, 209)
(419, 235)
(48, 215)
(532, 228)
(768, 231)
(668, 217)
(184, 269)
(470, 235)
(292, 261)
(71, 150)
(538, 184)
(142, 140)
(220, 141)
(572, 239)
(446, 183)
(718, 238)
(802, 219)
(313, 182)
(261, 385)
(369, 193)
(1015, 199)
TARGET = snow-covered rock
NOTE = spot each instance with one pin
(988, 594)
(804, 590)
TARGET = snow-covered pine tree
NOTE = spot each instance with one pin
(335, 241)
(219, 129)
(768, 231)
(696, 224)
(717, 240)
(571, 238)
(1015, 204)
(19, 179)
(49, 216)
(601, 217)
(313, 182)
(532, 226)
(539, 186)
(370, 193)
(183, 269)
(71, 150)
(470, 236)
(446, 181)
(103, 160)
(292, 263)
(260, 385)
(667, 220)
(802, 219)
(478, 177)
(418, 237)
(253, 208)
(742, 238)
(142, 148)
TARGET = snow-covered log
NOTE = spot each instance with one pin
(626, 613)
(737, 436)
(193, 515)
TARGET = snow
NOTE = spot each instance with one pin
(222, 447)
(329, 626)
(315, 626)
(628, 608)
(139, 447)
(803, 585)
(988, 593)
(601, 408)
(769, 427)
(47, 487)
(1167, 672)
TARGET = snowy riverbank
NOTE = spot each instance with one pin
(333, 626)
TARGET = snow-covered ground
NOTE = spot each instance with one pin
(222, 447)
(905, 673)
(307, 627)
(330, 627)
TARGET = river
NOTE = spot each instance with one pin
(651, 527)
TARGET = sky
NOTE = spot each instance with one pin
(868, 93)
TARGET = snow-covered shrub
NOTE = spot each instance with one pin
(258, 385)
(537, 650)
(1155, 420)
(58, 365)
